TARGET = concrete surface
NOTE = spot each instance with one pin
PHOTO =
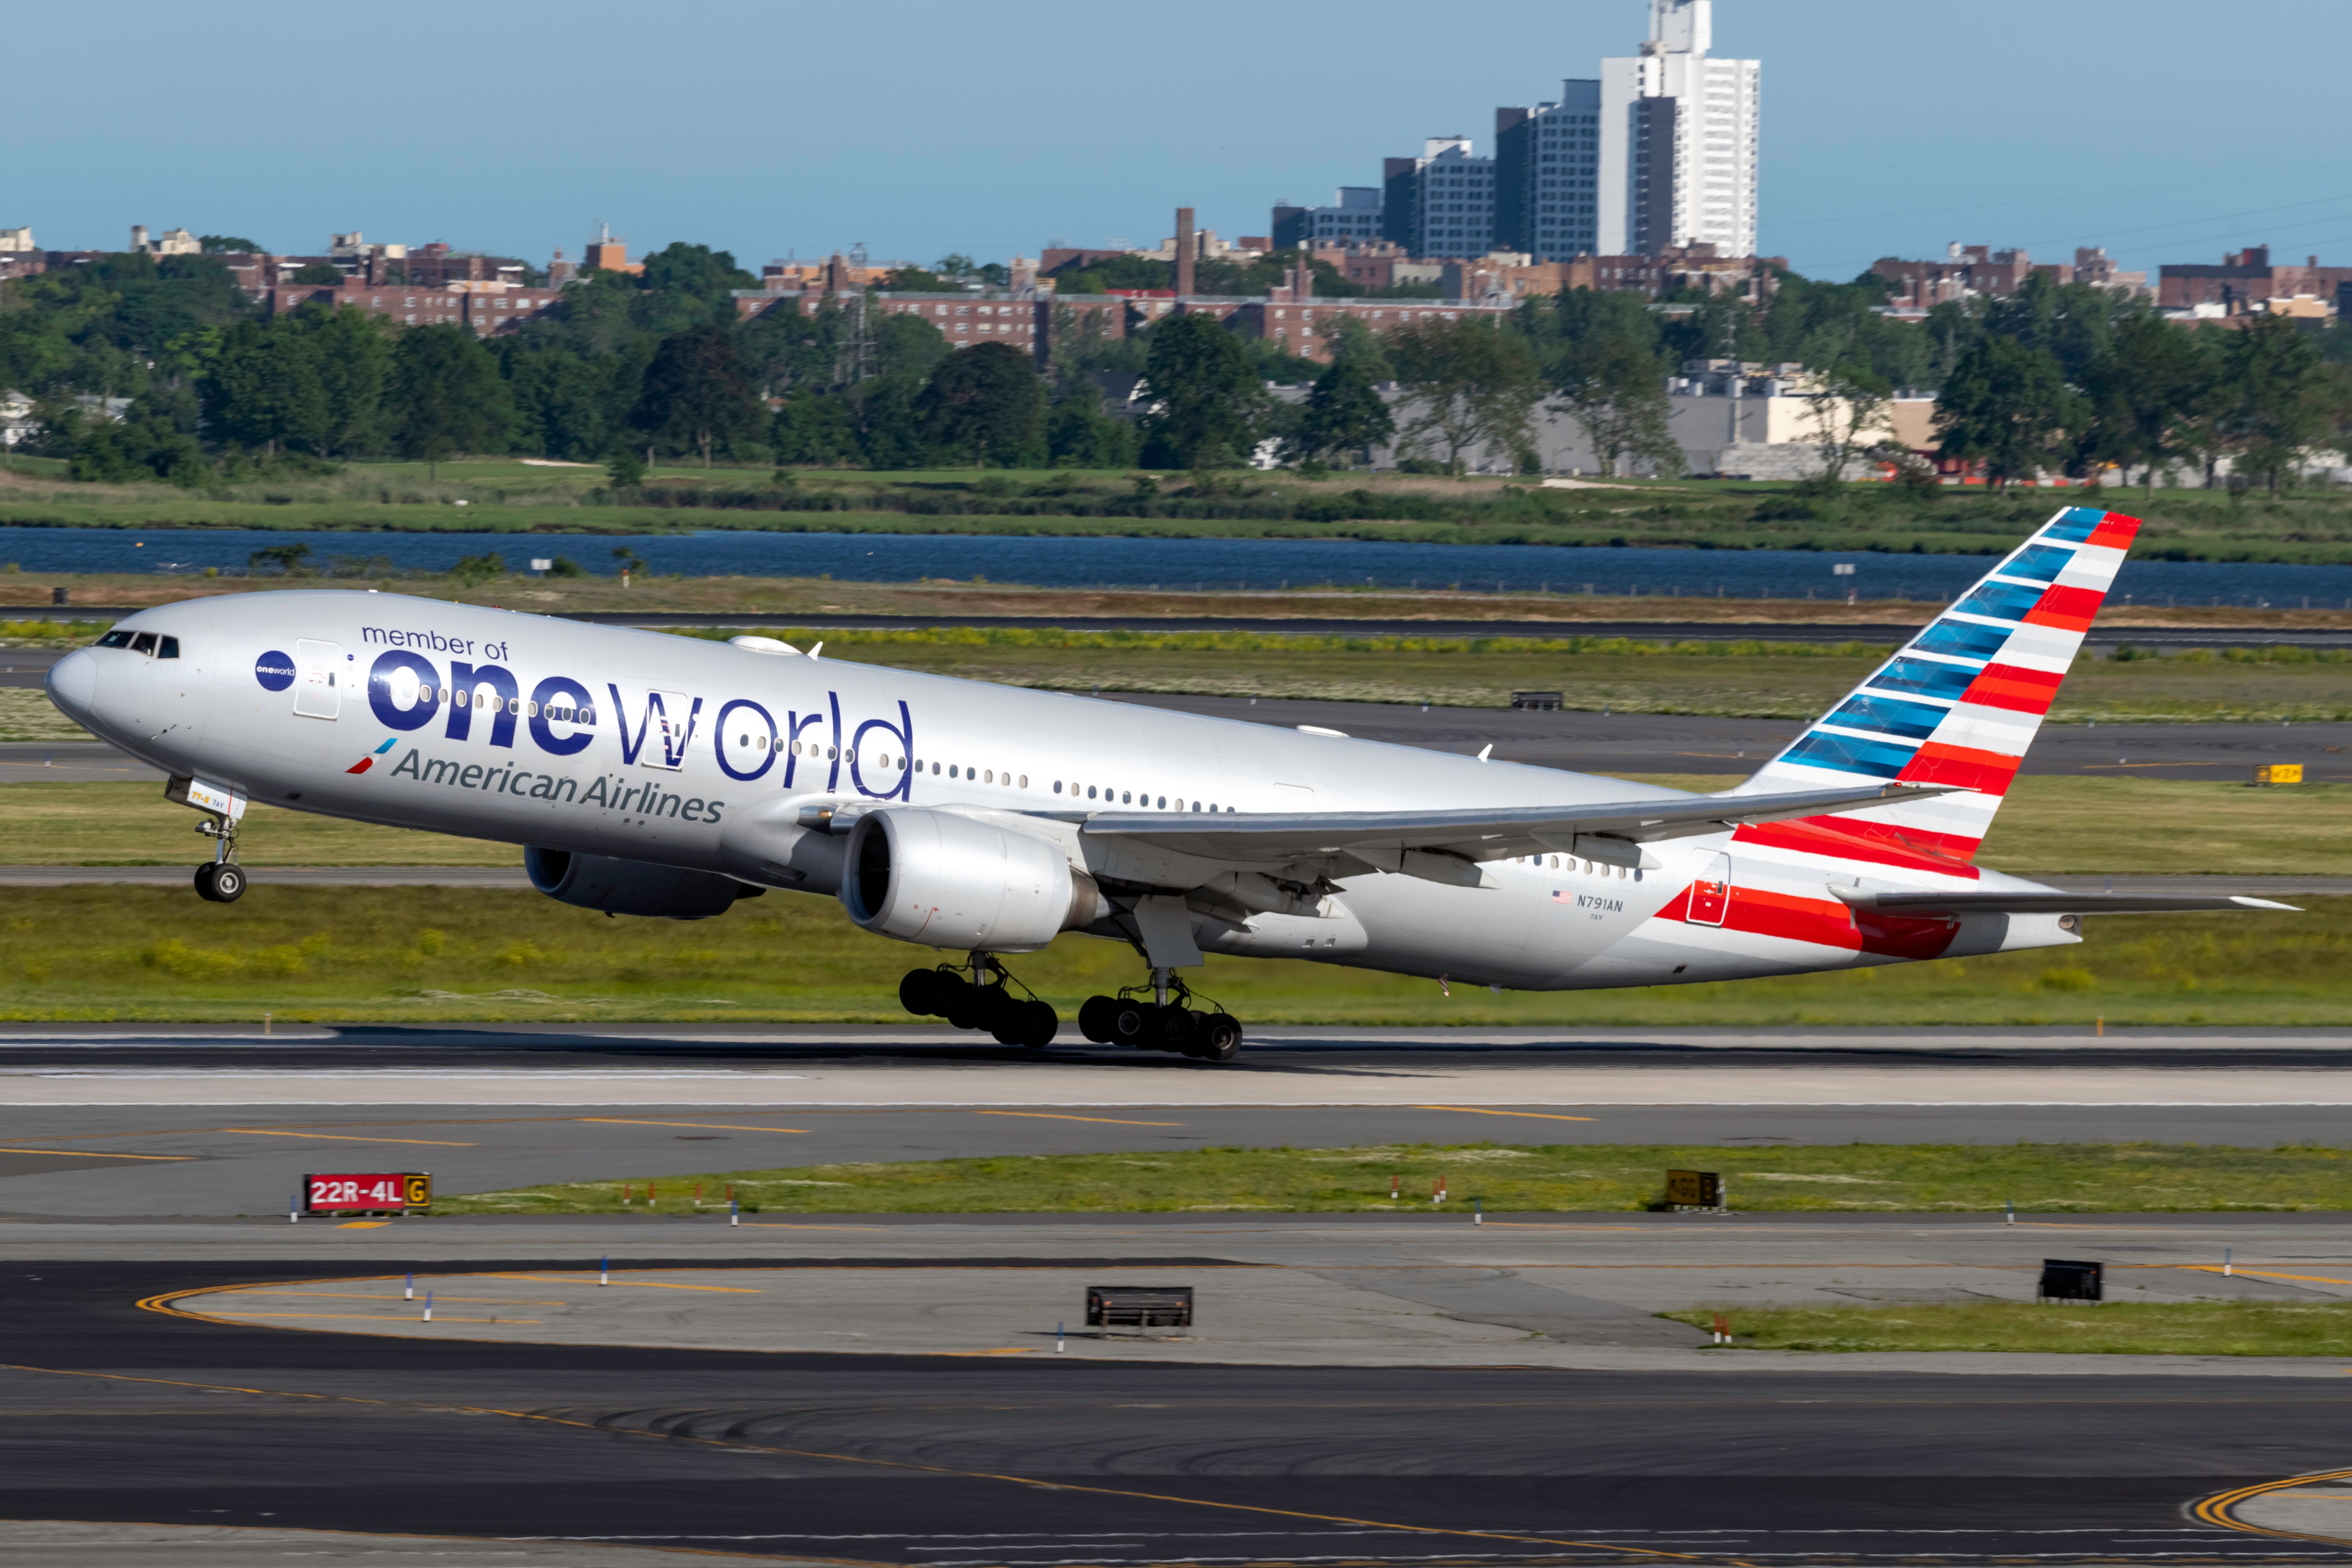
(1543, 1294)
(785, 1068)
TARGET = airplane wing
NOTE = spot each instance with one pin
(2052, 902)
(1420, 842)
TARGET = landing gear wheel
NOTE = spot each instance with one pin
(1039, 1022)
(1216, 1037)
(1098, 1019)
(228, 883)
(919, 992)
(1171, 1027)
(204, 882)
(1130, 1024)
(963, 1003)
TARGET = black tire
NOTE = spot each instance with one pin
(1039, 1023)
(1096, 1019)
(966, 1004)
(1001, 1016)
(918, 993)
(205, 883)
(228, 884)
(1130, 1024)
(1216, 1037)
(1172, 1029)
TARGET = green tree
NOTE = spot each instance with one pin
(2007, 407)
(985, 402)
(1207, 404)
(262, 389)
(315, 272)
(1343, 415)
(1615, 388)
(1467, 384)
(445, 396)
(1847, 410)
(229, 244)
(814, 428)
(351, 353)
(694, 392)
(1079, 434)
(2145, 395)
(2275, 398)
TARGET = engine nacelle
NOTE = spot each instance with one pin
(947, 880)
(632, 887)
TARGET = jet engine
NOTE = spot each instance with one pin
(945, 880)
(632, 887)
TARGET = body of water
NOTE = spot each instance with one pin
(1192, 564)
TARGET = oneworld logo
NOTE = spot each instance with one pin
(274, 670)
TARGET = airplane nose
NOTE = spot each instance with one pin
(73, 685)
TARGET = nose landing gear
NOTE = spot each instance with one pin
(222, 880)
(1157, 1017)
(982, 1001)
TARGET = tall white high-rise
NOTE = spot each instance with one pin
(1678, 140)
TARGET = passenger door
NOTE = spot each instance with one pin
(1711, 896)
(318, 679)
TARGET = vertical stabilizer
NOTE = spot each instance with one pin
(1958, 705)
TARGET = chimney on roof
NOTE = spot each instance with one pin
(1184, 252)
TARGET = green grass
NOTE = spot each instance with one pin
(2114, 1328)
(505, 495)
(134, 824)
(1557, 1178)
(1753, 678)
(2053, 826)
(442, 954)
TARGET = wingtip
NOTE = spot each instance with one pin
(2246, 900)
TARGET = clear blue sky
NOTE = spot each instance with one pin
(2169, 131)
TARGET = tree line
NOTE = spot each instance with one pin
(629, 370)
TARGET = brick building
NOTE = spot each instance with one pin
(2247, 283)
(485, 307)
(1966, 271)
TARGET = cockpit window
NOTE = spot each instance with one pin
(143, 642)
(115, 640)
(168, 648)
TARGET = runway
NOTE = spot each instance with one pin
(119, 1122)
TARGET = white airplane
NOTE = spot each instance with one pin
(657, 775)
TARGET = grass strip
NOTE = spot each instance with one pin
(2112, 1328)
(442, 955)
(2040, 1178)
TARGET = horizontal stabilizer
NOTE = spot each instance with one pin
(1492, 833)
(2053, 902)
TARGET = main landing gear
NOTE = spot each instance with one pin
(1146, 1017)
(222, 880)
(980, 1002)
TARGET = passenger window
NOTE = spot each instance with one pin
(1127, 799)
(143, 642)
(951, 772)
(1024, 781)
(168, 648)
(1058, 786)
(991, 778)
(1090, 792)
(1163, 803)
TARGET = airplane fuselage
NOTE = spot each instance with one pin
(681, 752)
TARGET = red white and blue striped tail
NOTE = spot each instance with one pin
(1958, 705)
